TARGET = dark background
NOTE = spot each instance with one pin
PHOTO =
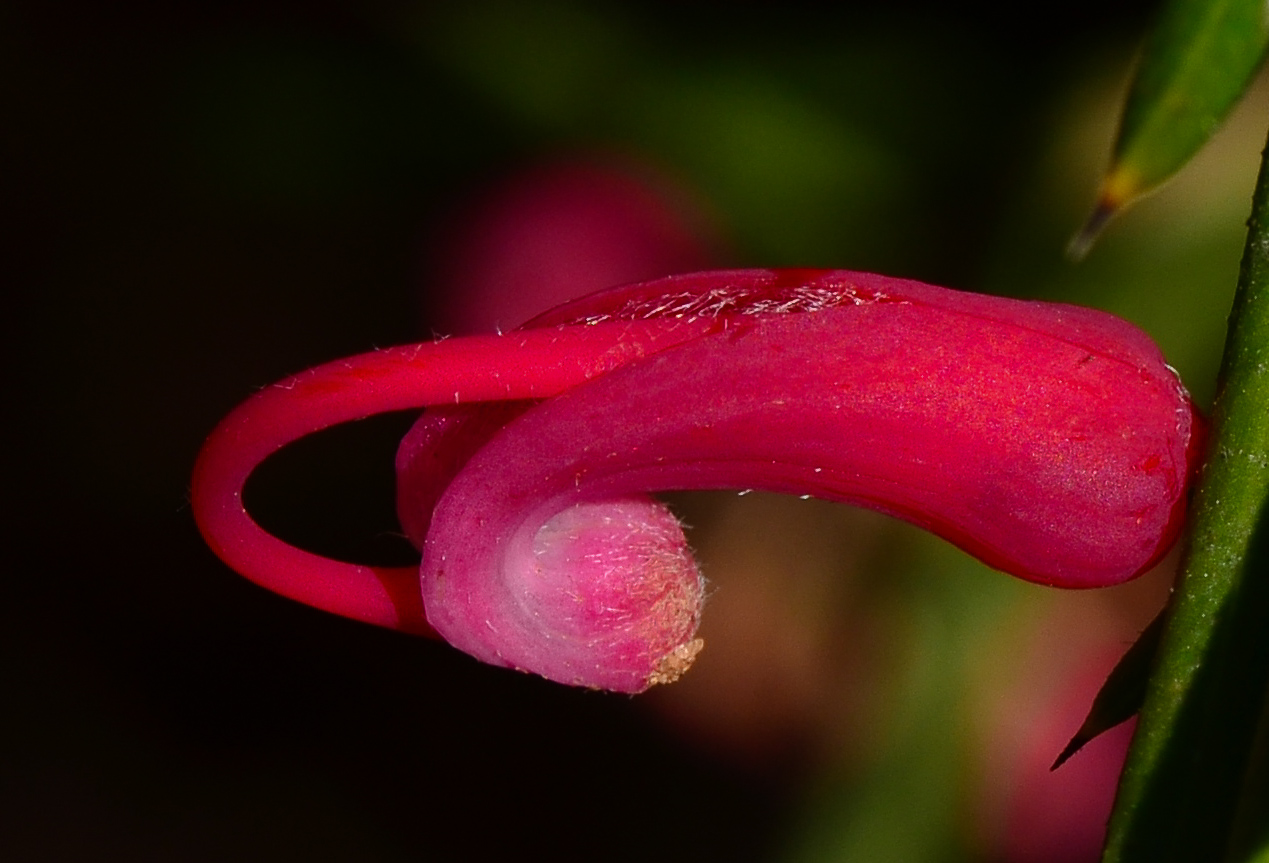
(203, 198)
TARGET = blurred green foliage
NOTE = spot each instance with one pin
(1197, 61)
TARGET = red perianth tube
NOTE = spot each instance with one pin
(1051, 441)
(530, 365)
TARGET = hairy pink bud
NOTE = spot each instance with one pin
(1050, 441)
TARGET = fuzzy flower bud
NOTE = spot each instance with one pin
(1050, 441)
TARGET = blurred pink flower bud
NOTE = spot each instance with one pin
(555, 232)
(1033, 813)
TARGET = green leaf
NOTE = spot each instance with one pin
(1195, 755)
(1123, 693)
(1198, 61)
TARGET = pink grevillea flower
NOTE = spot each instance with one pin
(1050, 441)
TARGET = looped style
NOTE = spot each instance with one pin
(1050, 441)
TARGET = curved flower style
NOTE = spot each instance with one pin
(1050, 441)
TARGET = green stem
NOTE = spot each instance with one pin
(1194, 748)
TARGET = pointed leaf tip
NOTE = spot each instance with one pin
(1083, 240)
(1121, 695)
(1197, 62)
(1076, 744)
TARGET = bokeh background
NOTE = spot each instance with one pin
(205, 197)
